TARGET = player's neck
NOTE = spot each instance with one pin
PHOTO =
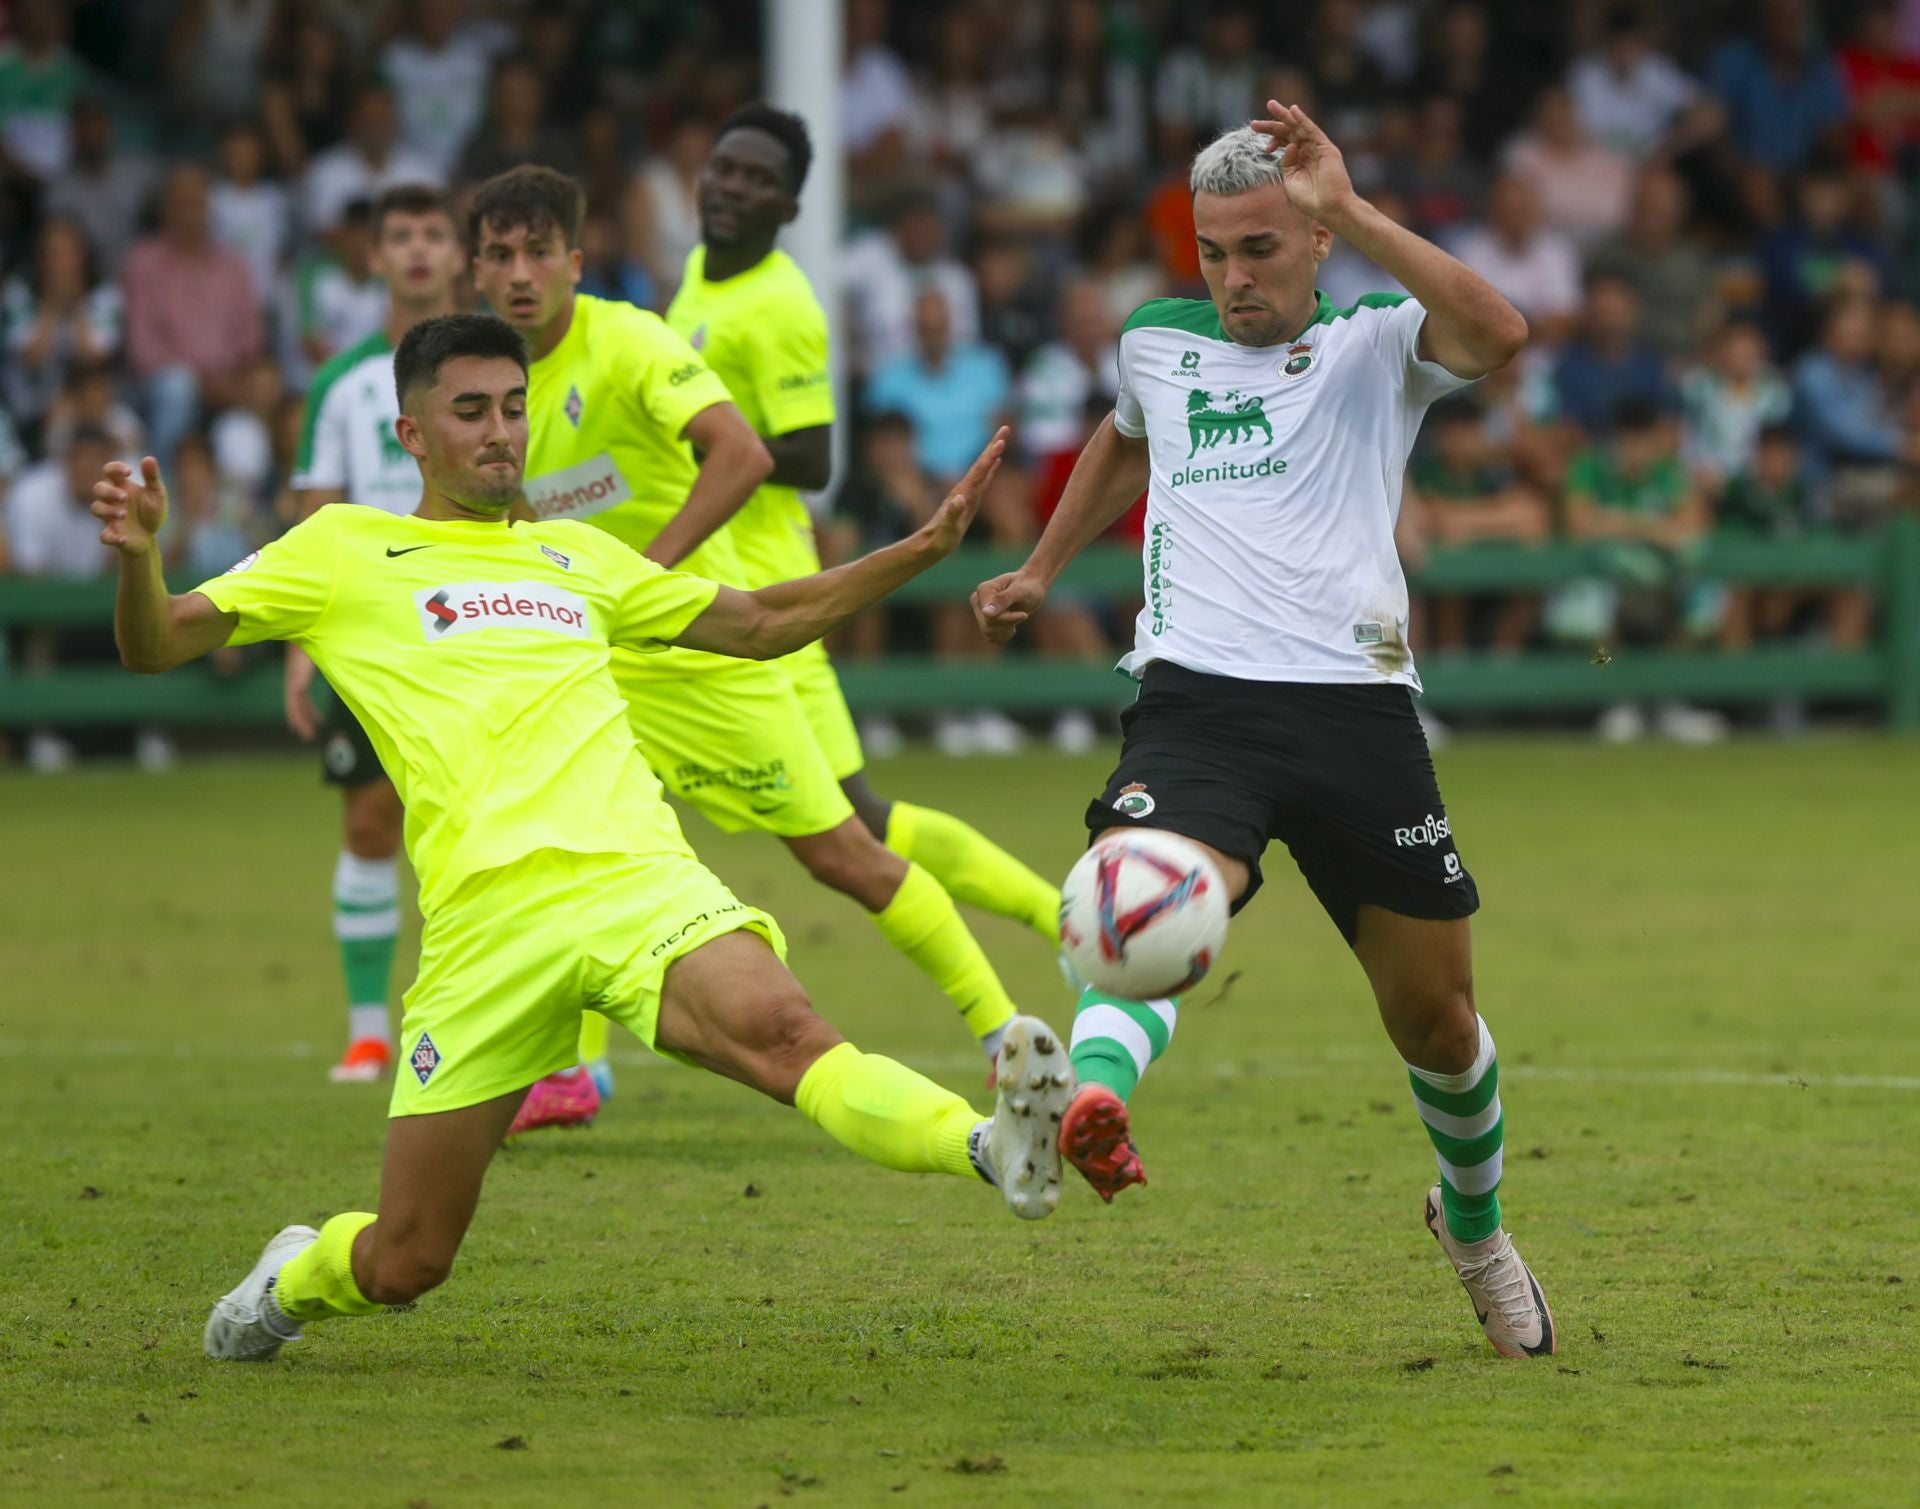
(437, 507)
(541, 343)
(723, 262)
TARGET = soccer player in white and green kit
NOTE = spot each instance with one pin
(349, 454)
(746, 307)
(552, 875)
(1271, 431)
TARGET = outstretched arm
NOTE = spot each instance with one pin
(780, 619)
(1111, 472)
(155, 631)
(1470, 328)
(735, 462)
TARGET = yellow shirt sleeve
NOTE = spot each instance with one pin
(793, 389)
(282, 590)
(651, 605)
(674, 380)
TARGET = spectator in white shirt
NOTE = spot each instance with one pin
(876, 91)
(247, 213)
(49, 530)
(369, 160)
(438, 71)
(1536, 268)
(1635, 99)
(884, 271)
(1064, 374)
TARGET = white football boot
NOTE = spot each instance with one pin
(237, 1331)
(1506, 1296)
(1021, 1148)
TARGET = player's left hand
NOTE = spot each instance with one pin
(1312, 169)
(954, 517)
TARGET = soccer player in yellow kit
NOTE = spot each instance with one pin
(613, 400)
(552, 876)
(749, 310)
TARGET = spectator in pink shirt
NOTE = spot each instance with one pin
(193, 323)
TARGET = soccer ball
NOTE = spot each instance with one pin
(1142, 915)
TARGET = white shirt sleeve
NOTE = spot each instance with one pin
(323, 461)
(1398, 339)
(1128, 416)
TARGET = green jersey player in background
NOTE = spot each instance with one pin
(349, 453)
(1276, 683)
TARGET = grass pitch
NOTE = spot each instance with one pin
(1700, 965)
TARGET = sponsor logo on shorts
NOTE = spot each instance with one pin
(426, 1058)
(1134, 800)
(681, 933)
(564, 562)
(449, 611)
(1454, 872)
(580, 491)
(754, 780)
(340, 756)
(1432, 832)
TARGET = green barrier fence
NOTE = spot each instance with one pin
(1887, 673)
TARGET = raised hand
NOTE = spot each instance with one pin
(955, 515)
(1000, 606)
(131, 509)
(1312, 170)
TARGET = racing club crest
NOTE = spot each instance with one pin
(1134, 800)
(1299, 361)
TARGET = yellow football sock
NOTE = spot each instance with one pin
(888, 1114)
(973, 868)
(923, 923)
(319, 1282)
(593, 1036)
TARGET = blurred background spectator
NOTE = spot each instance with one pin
(1704, 208)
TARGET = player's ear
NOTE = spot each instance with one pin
(410, 438)
(576, 260)
(1322, 242)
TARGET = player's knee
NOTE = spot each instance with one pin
(372, 831)
(1439, 1028)
(792, 1035)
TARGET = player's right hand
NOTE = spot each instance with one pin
(1003, 604)
(132, 509)
(303, 717)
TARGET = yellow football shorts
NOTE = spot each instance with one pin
(735, 744)
(825, 707)
(512, 957)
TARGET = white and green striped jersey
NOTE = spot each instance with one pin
(1276, 475)
(347, 443)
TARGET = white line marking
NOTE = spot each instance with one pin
(62, 1053)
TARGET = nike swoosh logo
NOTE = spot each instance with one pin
(391, 552)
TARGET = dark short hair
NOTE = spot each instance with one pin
(784, 127)
(90, 434)
(532, 196)
(412, 199)
(357, 212)
(431, 344)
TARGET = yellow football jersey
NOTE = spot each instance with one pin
(476, 656)
(765, 335)
(605, 411)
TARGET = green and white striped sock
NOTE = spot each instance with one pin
(1462, 1113)
(366, 921)
(1114, 1039)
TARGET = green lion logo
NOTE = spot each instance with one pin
(1235, 421)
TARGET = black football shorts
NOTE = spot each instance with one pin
(1339, 774)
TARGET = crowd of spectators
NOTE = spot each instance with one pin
(1703, 210)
